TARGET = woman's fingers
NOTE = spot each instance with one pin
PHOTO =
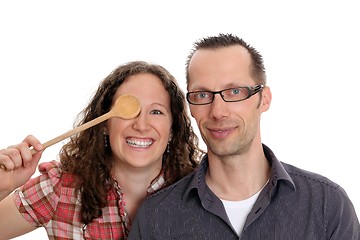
(19, 155)
(9, 158)
(33, 142)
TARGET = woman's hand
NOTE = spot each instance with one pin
(18, 163)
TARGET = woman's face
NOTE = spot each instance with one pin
(140, 142)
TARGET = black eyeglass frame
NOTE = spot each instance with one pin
(251, 91)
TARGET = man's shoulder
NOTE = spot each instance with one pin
(300, 175)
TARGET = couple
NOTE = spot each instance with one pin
(238, 190)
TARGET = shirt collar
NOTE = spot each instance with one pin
(156, 184)
(278, 173)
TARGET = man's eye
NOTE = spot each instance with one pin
(201, 95)
(235, 91)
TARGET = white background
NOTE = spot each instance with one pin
(53, 54)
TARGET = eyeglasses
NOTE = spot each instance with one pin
(228, 95)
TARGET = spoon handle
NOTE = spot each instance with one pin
(75, 130)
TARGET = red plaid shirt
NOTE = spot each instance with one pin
(50, 201)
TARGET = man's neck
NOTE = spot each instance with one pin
(237, 177)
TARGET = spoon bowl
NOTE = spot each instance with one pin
(126, 107)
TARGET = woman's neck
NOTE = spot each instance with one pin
(134, 185)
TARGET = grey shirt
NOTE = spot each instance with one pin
(295, 204)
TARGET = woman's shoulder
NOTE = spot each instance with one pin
(53, 171)
(37, 200)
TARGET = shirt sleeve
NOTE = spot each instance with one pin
(342, 222)
(37, 199)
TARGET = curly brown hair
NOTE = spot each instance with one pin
(87, 157)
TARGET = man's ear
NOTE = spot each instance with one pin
(265, 99)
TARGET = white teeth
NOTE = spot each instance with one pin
(138, 143)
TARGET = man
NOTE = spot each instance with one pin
(241, 190)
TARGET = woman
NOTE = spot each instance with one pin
(106, 171)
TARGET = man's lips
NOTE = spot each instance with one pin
(220, 132)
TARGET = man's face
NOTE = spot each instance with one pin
(227, 128)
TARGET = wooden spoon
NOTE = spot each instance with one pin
(125, 107)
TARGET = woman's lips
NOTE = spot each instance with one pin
(139, 143)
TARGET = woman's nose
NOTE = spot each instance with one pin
(141, 122)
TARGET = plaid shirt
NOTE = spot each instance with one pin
(50, 201)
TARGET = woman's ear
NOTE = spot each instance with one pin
(105, 131)
(170, 136)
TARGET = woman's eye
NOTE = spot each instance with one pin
(156, 112)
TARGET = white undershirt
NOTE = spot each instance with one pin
(237, 211)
